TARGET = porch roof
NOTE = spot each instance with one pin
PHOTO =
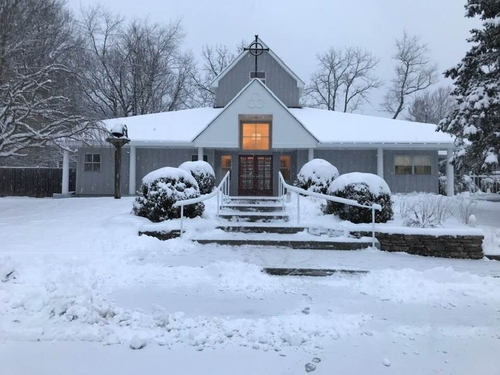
(331, 127)
(175, 127)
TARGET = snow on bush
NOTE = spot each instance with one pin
(463, 209)
(316, 175)
(365, 188)
(424, 210)
(203, 173)
(163, 187)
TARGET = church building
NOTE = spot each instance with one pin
(258, 128)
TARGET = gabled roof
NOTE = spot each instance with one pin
(215, 82)
(258, 82)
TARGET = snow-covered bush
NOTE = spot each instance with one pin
(203, 173)
(424, 210)
(316, 176)
(163, 187)
(462, 209)
(365, 188)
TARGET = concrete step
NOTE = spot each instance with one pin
(255, 207)
(292, 241)
(252, 216)
(261, 228)
(255, 199)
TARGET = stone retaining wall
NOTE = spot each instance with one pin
(459, 246)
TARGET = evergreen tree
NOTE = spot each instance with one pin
(476, 120)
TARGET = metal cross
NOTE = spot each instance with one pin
(256, 49)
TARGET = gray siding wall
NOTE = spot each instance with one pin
(102, 182)
(278, 80)
(150, 159)
(350, 160)
(411, 183)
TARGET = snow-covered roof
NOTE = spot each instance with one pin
(175, 127)
(331, 127)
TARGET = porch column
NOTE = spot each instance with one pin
(310, 155)
(200, 153)
(132, 171)
(450, 175)
(380, 162)
(65, 172)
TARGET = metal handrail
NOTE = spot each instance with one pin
(220, 191)
(283, 186)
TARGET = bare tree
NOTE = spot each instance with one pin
(133, 68)
(432, 106)
(214, 60)
(38, 103)
(343, 80)
(414, 72)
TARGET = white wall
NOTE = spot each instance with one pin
(287, 132)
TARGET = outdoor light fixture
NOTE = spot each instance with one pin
(119, 139)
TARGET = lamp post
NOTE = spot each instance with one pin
(118, 140)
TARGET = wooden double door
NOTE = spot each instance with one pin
(255, 176)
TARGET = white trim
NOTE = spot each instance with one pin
(215, 82)
(132, 171)
(380, 162)
(387, 146)
(310, 154)
(450, 176)
(65, 173)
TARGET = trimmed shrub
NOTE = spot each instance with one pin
(163, 187)
(316, 176)
(203, 173)
(365, 188)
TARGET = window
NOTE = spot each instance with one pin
(412, 164)
(92, 163)
(285, 167)
(422, 164)
(195, 158)
(225, 162)
(259, 75)
(255, 136)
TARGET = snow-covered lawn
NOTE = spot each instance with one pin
(82, 288)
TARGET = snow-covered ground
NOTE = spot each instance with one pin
(80, 288)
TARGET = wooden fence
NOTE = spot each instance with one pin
(33, 182)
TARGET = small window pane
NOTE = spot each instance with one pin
(92, 163)
(402, 164)
(422, 164)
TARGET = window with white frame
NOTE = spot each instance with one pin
(412, 164)
(92, 163)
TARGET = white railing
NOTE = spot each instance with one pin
(283, 188)
(221, 191)
(484, 184)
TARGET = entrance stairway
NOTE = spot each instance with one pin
(263, 221)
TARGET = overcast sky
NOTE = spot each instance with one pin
(298, 30)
